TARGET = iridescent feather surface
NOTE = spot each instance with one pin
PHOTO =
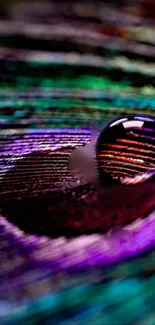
(77, 217)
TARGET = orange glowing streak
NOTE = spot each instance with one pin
(136, 143)
(130, 160)
(125, 154)
(120, 168)
(113, 163)
(127, 148)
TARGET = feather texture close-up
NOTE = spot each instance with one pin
(77, 162)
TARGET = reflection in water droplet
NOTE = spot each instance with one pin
(126, 150)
